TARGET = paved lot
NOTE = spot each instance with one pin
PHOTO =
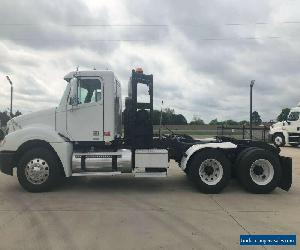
(127, 213)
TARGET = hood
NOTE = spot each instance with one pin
(44, 117)
(277, 124)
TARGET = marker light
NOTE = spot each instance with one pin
(139, 70)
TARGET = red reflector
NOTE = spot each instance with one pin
(107, 133)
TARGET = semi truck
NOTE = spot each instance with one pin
(83, 136)
(287, 132)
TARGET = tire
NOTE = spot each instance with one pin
(278, 140)
(259, 171)
(239, 158)
(47, 172)
(201, 167)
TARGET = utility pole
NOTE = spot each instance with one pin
(11, 95)
(251, 87)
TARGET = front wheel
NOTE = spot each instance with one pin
(39, 170)
(210, 170)
(279, 140)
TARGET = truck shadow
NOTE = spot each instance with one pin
(129, 184)
(125, 183)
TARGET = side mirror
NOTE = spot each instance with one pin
(73, 94)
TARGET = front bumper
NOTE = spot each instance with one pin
(6, 162)
(286, 167)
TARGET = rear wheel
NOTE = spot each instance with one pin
(239, 158)
(259, 171)
(279, 140)
(210, 170)
(39, 170)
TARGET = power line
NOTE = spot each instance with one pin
(150, 25)
(145, 40)
(86, 40)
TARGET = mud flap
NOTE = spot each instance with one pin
(286, 179)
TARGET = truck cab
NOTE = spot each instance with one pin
(287, 132)
(90, 94)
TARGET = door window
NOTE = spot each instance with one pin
(89, 90)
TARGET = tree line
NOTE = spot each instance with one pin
(169, 117)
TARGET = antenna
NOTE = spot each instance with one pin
(160, 119)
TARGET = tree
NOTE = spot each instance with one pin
(5, 117)
(17, 113)
(244, 122)
(155, 117)
(230, 122)
(169, 117)
(215, 122)
(179, 120)
(283, 115)
(256, 120)
(197, 121)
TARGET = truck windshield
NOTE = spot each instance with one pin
(293, 116)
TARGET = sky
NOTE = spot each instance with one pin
(203, 54)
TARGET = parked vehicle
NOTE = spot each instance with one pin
(83, 137)
(287, 132)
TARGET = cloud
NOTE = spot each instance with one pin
(201, 59)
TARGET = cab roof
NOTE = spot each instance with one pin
(92, 73)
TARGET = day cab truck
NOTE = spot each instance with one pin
(83, 137)
(287, 132)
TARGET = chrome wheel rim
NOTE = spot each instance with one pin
(211, 171)
(262, 172)
(278, 140)
(37, 171)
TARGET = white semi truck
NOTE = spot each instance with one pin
(83, 137)
(287, 132)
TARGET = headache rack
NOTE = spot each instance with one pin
(138, 129)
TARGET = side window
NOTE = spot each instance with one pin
(89, 90)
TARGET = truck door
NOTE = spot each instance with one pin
(85, 120)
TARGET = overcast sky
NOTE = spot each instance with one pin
(202, 54)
